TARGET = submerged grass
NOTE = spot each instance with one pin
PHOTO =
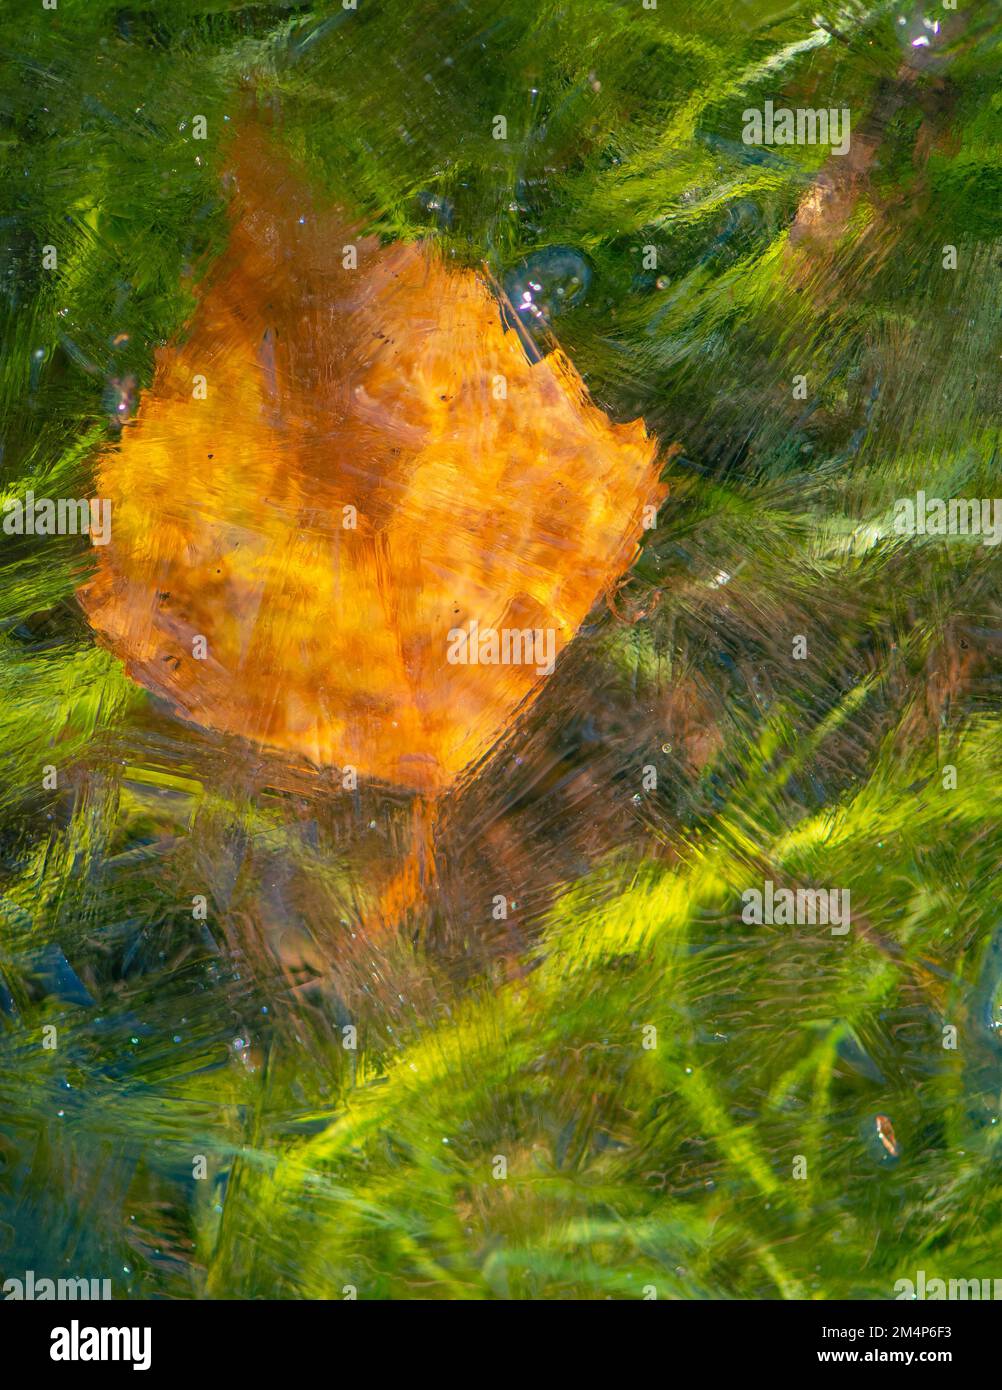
(217, 1043)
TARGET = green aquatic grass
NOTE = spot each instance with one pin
(629, 1168)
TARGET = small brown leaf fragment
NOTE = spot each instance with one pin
(887, 1137)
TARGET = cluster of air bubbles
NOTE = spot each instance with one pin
(920, 32)
(438, 205)
(919, 35)
(541, 287)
